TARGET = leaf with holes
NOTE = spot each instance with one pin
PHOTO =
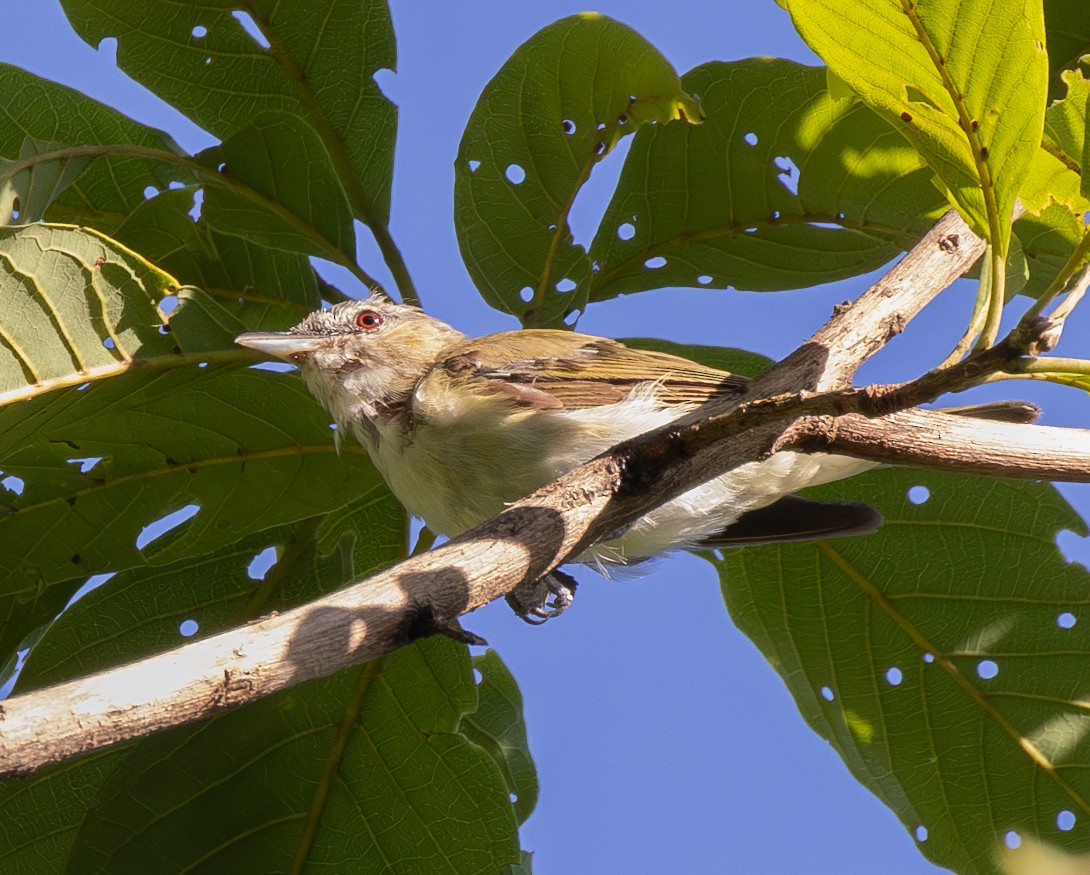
(552, 112)
(963, 80)
(497, 727)
(795, 188)
(75, 303)
(950, 682)
(265, 289)
(222, 66)
(26, 194)
(1067, 27)
(38, 111)
(240, 450)
(279, 188)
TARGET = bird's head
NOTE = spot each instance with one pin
(360, 358)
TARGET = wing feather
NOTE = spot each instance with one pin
(549, 369)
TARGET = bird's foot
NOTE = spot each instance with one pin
(543, 599)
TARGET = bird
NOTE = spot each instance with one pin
(460, 427)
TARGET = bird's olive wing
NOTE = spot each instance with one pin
(559, 369)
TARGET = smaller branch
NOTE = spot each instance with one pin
(932, 439)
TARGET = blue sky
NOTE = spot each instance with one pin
(663, 739)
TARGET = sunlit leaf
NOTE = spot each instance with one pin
(783, 186)
(963, 80)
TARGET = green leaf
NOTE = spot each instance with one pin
(315, 64)
(290, 195)
(553, 111)
(264, 288)
(1048, 241)
(75, 303)
(40, 111)
(950, 687)
(248, 447)
(737, 361)
(1067, 26)
(496, 726)
(31, 191)
(783, 186)
(963, 80)
(367, 766)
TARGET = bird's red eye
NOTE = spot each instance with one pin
(368, 319)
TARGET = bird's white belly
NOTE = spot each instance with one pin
(456, 476)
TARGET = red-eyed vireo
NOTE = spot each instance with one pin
(459, 427)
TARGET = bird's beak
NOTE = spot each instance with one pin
(281, 344)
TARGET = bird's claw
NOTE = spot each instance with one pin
(544, 598)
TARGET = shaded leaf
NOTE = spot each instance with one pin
(365, 769)
(554, 109)
(291, 196)
(963, 80)
(222, 67)
(263, 288)
(25, 194)
(1067, 26)
(496, 726)
(951, 688)
(783, 186)
(249, 448)
(114, 185)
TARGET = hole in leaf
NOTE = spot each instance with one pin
(1066, 620)
(202, 364)
(572, 316)
(150, 191)
(82, 386)
(921, 833)
(750, 138)
(626, 231)
(188, 628)
(929, 657)
(385, 80)
(259, 566)
(827, 694)
(704, 279)
(568, 126)
(199, 32)
(789, 173)
(1012, 840)
(655, 263)
(198, 202)
(602, 125)
(515, 174)
(894, 676)
(164, 524)
(208, 60)
(109, 343)
(526, 293)
(86, 463)
(250, 26)
(987, 669)
(918, 494)
(478, 678)
(566, 285)
(168, 303)
(108, 46)
(1065, 820)
(473, 165)
(514, 797)
(276, 367)
(174, 185)
(13, 484)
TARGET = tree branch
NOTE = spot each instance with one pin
(430, 591)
